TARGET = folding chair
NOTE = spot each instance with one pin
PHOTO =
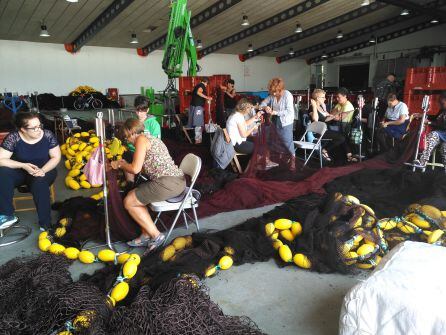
(315, 127)
(184, 129)
(191, 166)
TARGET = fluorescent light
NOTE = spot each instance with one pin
(291, 52)
(43, 31)
(372, 39)
(73, 1)
(365, 3)
(339, 34)
(199, 44)
(434, 21)
(134, 40)
(324, 55)
(250, 48)
(404, 12)
(245, 21)
(298, 29)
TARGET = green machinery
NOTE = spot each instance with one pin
(179, 41)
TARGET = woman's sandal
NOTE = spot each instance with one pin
(351, 159)
(141, 241)
(326, 156)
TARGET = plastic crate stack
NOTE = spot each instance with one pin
(421, 81)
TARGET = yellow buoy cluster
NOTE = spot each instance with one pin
(178, 244)
(283, 231)
(78, 149)
(224, 263)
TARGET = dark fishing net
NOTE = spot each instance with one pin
(38, 296)
(180, 306)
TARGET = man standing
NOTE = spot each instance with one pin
(196, 109)
(229, 98)
(382, 91)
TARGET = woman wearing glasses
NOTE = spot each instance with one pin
(28, 156)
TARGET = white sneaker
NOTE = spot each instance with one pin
(7, 221)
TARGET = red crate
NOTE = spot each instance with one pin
(426, 78)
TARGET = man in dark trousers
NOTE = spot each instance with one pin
(196, 109)
(382, 91)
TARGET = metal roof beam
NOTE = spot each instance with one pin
(383, 38)
(314, 30)
(263, 25)
(107, 16)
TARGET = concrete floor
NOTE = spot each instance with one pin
(280, 301)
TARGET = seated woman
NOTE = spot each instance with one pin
(166, 180)
(28, 156)
(237, 127)
(395, 123)
(437, 136)
(318, 112)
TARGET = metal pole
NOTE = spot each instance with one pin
(374, 110)
(100, 131)
(308, 98)
(425, 106)
(360, 105)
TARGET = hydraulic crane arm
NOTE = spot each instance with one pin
(179, 42)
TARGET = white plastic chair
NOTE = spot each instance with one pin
(315, 127)
(191, 166)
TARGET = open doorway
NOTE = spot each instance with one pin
(355, 77)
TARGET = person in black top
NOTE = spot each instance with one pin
(196, 109)
(437, 136)
(28, 156)
(229, 97)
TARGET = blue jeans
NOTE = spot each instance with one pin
(195, 117)
(39, 188)
(286, 137)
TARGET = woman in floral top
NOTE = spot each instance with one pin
(166, 180)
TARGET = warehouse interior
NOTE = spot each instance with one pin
(222, 167)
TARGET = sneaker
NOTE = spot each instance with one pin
(42, 229)
(7, 221)
(155, 244)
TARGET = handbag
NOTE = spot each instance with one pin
(93, 168)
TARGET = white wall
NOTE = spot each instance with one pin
(43, 67)
(391, 49)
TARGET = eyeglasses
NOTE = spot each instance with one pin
(36, 128)
(141, 110)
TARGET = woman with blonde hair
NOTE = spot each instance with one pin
(166, 180)
(318, 112)
(280, 105)
(237, 127)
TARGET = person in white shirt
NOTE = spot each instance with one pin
(280, 105)
(395, 123)
(239, 129)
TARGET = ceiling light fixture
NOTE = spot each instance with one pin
(73, 1)
(339, 34)
(365, 3)
(245, 21)
(199, 44)
(250, 48)
(404, 12)
(298, 29)
(372, 39)
(434, 21)
(134, 39)
(324, 55)
(43, 31)
(291, 52)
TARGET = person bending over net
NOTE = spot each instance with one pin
(437, 136)
(239, 129)
(318, 112)
(280, 105)
(394, 124)
(166, 180)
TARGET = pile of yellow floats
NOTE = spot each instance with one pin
(78, 149)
